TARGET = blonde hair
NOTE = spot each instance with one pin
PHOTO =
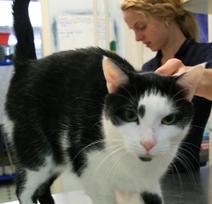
(166, 9)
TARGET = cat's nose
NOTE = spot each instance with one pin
(147, 144)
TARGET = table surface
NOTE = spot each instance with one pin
(188, 188)
(177, 189)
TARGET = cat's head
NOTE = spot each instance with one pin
(147, 114)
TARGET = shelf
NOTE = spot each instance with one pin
(7, 177)
(6, 63)
(7, 170)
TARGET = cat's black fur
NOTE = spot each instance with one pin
(54, 92)
(67, 91)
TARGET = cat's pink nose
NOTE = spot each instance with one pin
(148, 144)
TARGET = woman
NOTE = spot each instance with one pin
(166, 27)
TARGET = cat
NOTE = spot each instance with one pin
(89, 110)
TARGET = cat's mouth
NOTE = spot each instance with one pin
(145, 158)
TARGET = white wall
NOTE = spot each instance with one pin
(7, 18)
(133, 51)
(51, 9)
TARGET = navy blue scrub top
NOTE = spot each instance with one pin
(191, 53)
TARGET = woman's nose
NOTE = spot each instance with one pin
(139, 37)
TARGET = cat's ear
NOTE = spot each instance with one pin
(114, 76)
(190, 80)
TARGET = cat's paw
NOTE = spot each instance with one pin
(128, 198)
(151, 198)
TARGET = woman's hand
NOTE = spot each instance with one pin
(176, 67)
(172, 67)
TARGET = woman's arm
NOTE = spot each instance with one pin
(205, 86)
(176, 67)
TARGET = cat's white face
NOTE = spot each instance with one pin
(156, 133)
(152, 126)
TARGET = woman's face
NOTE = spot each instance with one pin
(151, 31)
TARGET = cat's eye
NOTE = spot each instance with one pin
(169, 119)
(130, 116)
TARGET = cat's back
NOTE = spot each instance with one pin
(75, 66)
(66, 79)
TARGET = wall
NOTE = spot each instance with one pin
(133, 51)
(115, 27)
(52, 9)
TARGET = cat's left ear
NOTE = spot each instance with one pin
(114, 76)
(190, 80)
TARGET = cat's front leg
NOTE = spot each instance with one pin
(151, 198)
(153, 195)
(128, 198)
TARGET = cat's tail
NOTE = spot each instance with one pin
(25, 47)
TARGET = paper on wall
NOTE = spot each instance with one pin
(75, 31)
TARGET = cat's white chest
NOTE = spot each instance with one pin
(119, 171)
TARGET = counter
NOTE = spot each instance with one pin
(177, 189)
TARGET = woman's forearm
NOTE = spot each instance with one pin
(205, 86)
(176, 67)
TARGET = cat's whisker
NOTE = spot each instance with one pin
(115, 165)
(192, 156)
(179, 179)
(87, 146)
(120, 147)
(94, 143)
(188, 165)
(134, 147)
(179, 99)
(136, 93)
(180, 147)
(181, 158)
(183, 162)
(197, 126)
(188, 143)
(179, 92)
(130, 98)
(127, 172)
(124, 97)
(192, 175)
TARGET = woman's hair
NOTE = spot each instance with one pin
(166, 9)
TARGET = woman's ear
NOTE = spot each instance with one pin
(190, 80)
(114, 76)
(167, 21)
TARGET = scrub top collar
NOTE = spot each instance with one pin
(179, 54)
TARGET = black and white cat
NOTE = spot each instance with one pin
(88, 110)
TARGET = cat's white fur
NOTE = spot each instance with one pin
(118, 166)
(36, 178)
(8, 126)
